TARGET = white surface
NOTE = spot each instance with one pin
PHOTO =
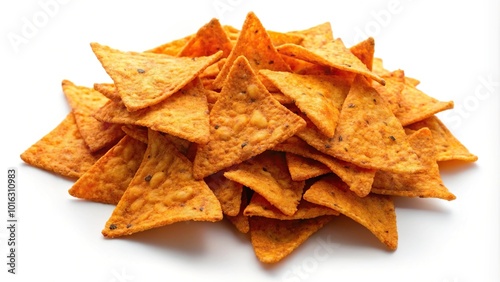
(451, 47)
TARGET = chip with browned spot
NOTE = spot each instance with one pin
(184, 114)
(423, 184)
(245, 121)
(274, 239)
(417, 106)
(255, 44)
(84, 102)
(447, 145)
(357, 178)
(227, 192)
(369, 135)
(209, 39)
(375, 212)
(109, 177)
(62, 151)
(267, 174)
(162, 192)
(145, 79)
(320, 98)
(302, 168)
(259, 206)
(333, 54)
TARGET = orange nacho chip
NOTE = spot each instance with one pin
(448, 147)
(62, 151)
(333, 54)
(240, 221)
(184, 114)
(267, 174)
(171, 48)
(227, 192)
(302, 168)
(274, 239)
(108, 90)
(84, 102)
(365, 51)
(316, 36)
(145, 79)
(392, 90)
(369, 135)
(424, 184)
(162, 192)
(320, 98)
(209, 39)
(109, 177)
(375, 212)
(244, 122)
(255, 44)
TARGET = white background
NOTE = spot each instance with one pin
(451, 46)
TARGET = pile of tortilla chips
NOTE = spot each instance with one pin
(278, 133)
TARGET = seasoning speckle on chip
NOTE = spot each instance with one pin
(277, 132)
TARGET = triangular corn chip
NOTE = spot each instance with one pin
(267, 174)
(302, 168)
(316, 36)
(369, 135)
(245, 121)
(162, 192)
(375, 212)
(184, 114)
(365, 51)
(209, 39)
(227, 192)
(62, 151)
(145, 79)
(109, 177)
(424, 184)
(84, 102)
(255, 44)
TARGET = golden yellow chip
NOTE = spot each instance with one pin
(317, 35)
(274, 239)
(365, 51)
(320, 98)
(184, 114)
(245, 121)
(424, 184)
(171, 48)
(375, 212)
(84, 102)
(255, 44)
(302, 168)
(333, 54)
(448, 147)
(267, 174)
(62, 151)
(162, 192)
(259, 206)
(109, 177)
(227, 192)
(145, 79)
(209, 39)
(369, 135)
(357, 178)
(108, 90)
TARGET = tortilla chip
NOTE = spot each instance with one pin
(84, 102)
(267, 174)
(365, 51)
(254, 44)
(448, 147)
(184, 114)
(320, 98)
(392, 90)
(333, 54)
(417, 106)
(259, 206)
(171, 48)
(302, 168)
(240, 221)
(137, 132)
(316, 36)
(245, 121)
(375, 212)
(108, 90)
(62, 151)
(424, 184)
(209, 39)
(227, 192)
(162, 192)
(274, 239)
(280, 38)
(145, 79)
(358, 179)
(109, 177)
(369, 135)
